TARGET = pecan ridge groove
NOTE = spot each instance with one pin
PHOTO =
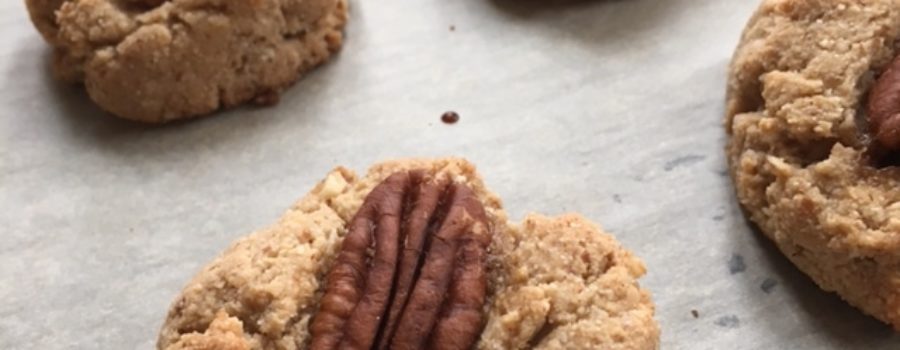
(411, 271)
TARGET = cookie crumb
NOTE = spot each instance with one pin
(450, 117)
(695, 313)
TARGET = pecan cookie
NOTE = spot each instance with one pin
(161, 60)
(417, 254)
(812, 116)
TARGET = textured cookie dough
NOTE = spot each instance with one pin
(161, 60)
(554, 283)
(797, 85)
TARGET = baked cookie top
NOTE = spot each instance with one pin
(802, 153)
(553, 283)
(161, 60)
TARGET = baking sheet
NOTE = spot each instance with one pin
(608, 108)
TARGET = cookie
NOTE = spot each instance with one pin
(810, 147)
(415, 254)
(163, 60)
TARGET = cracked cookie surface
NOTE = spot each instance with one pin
(800, 147)
(552, 283)
(158, 61)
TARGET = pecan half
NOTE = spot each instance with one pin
(884, 108)
(425, 284)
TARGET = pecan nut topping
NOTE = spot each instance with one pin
(883, 108)
(411, 272)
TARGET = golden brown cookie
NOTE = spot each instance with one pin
(162, 60)
(415, 254)
(811, 147)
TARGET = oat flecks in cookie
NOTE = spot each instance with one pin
(555, 282)
(157, 61)
(797, 152)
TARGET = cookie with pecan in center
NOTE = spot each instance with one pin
(812, 113)
(417, 254)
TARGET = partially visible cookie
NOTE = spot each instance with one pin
(310, 282)
(809, 146)
(162, 60)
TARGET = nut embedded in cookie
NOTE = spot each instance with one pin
(884, 108)
(159, 61)
(421, 232)
(417, 254)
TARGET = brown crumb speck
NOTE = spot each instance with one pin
(450, 117)
(695, 313)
